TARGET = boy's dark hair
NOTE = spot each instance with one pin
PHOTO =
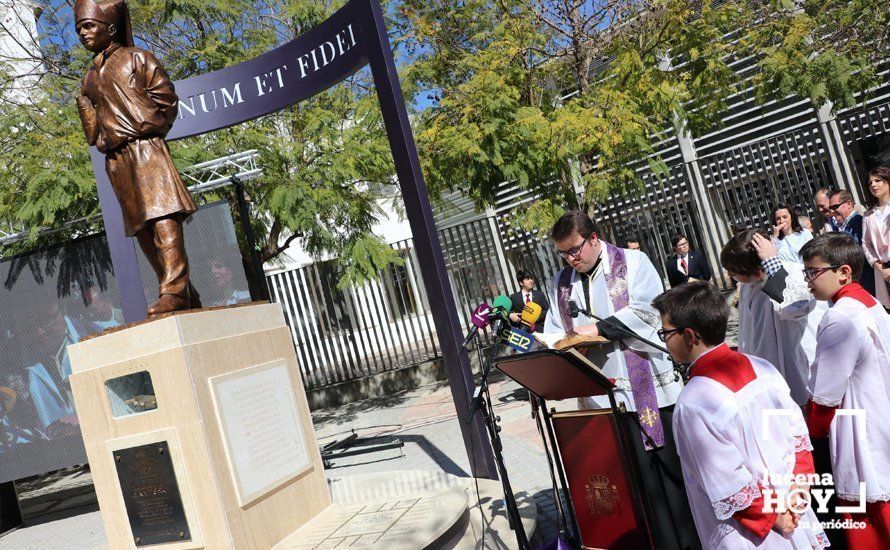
(697, 305)
(677, 238)
(573, 221)
(837, 248)
(739, 256)
(522, 275)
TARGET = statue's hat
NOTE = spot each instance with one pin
(110, 12)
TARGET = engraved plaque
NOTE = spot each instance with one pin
(151, 494)
(262, 428)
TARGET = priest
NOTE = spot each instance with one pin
(619, 285)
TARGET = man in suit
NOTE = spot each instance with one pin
(849, 220)
(527, 293)
(686, 264)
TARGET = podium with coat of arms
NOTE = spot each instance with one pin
(588, 450)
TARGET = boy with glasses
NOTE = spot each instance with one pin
(733, 445)
(777, 316)
(850, 385)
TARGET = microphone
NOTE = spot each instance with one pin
(480, 319)
(574, 310)
(530, 315)
(500, 313)
(502, 305)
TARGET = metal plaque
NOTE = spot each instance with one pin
(151, 494)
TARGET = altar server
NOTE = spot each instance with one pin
(850, 384)
(738, 432)
(778, 317)
(619, 285)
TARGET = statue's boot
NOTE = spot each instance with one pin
(194, 297)
(174, 267)
(146, 239)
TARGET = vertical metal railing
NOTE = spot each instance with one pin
(385, 324)
(747, 182)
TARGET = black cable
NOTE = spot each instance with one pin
(473, 452)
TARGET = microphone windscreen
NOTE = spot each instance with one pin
(573, 309)
(531, 313)
(502, 303)
(480, 315)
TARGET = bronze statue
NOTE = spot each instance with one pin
(127, 106)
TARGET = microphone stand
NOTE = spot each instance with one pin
(680, 370)
(617, 327)
(482, 400)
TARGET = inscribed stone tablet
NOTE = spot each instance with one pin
(406, 523)
(261, 426)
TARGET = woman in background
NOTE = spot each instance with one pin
(788, 234)
(876, 232)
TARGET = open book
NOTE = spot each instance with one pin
(562, 341)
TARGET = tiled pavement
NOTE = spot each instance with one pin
(424, 420)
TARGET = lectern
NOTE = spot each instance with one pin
(588, 450)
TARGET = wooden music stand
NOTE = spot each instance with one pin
(588, 449)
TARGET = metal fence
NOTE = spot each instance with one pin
(653, 215)
(347, 334)
(742, 184)
(747, 182)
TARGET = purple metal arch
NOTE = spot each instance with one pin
(353, 36)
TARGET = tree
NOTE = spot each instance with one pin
(564, 97)
(326, 160)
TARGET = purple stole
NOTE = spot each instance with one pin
(638, 369)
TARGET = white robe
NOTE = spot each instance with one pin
(727, 449)
(783, 334)
(852, 372)
(643, 284)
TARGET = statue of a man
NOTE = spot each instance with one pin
(127, 107)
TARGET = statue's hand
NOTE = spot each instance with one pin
(88, 119)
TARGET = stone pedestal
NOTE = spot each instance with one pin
(198, 432)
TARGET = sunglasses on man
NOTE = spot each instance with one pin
(834, 207)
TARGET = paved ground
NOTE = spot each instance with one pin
(64, 515)
(423, 420)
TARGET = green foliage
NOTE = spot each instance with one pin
(326, 161)
(561, 96)
(826, 50)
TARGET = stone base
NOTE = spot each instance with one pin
(224, 456)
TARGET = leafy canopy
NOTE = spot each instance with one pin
(326, 162)
(565, 97)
